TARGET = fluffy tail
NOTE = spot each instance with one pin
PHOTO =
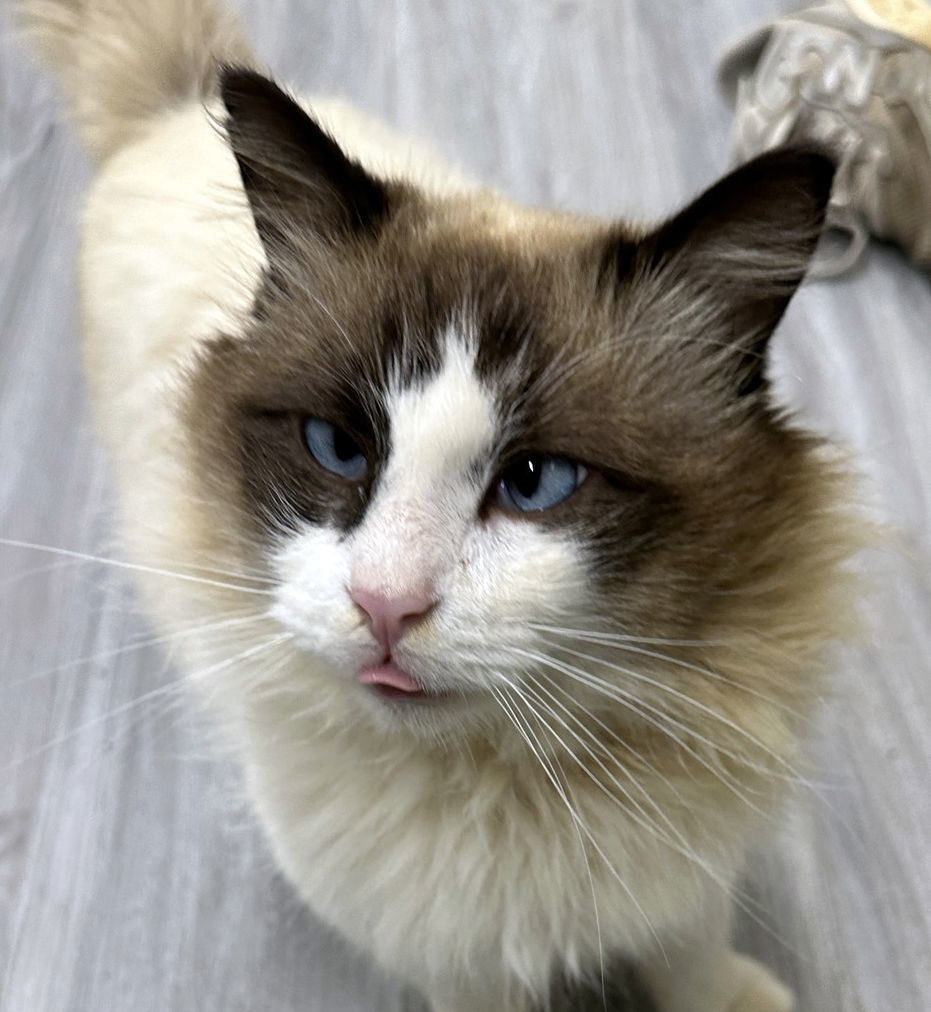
(122, 62)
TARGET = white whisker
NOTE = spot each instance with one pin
(709, 711)
(588, 834)
(86, 557)
(660, 720)
(641, 818)
(679, 844)
(208, 627)
(153, 694)
(551, 775)
(632, 645)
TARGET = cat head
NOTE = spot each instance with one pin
(479, 449)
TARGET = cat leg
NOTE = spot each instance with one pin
(704, 974)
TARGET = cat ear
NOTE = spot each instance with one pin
(296, 177)
(734, 257)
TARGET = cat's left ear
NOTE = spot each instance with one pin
(296, 177)
(728, 264)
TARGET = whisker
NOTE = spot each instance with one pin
(792, 776)
(86, 557)
(141, 644)
(638, 707)
(680, 845)
(247, 574)
(619, 637)
(741, 901)
(175, 701)
(613, 736)
(632, 646)
(591, 885)
(553, 778)
(703, 708)
(126, 707)
(642, 819)
(592, 839)
(34, 571)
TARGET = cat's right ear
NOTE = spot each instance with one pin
(296, 177)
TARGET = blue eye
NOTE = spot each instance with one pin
(537, 482)
(335, 449)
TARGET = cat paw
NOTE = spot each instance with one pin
(759, 990)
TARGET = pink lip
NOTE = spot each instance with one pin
(388, 675)
(390, 681)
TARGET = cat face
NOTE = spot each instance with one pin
(426, 591)
(459, 437)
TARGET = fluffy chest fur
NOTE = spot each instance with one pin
(438, 863)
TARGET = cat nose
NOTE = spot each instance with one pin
(390, 616)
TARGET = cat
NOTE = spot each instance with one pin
(514, 582)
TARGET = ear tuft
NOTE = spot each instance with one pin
(296, 177)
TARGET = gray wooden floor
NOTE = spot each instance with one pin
(130, 876)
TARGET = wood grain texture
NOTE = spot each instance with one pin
(131, 877)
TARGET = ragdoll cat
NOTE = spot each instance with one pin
(519, 582)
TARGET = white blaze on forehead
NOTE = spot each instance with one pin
(445, 425)
(430, 492)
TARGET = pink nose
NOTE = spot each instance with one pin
(389, 618)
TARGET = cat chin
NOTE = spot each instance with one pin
(445, 722)
(444, 716)
(330, 691)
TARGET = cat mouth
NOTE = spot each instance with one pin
(391, 682)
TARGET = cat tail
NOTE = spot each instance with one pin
(123, 62)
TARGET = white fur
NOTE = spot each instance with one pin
(414, 530)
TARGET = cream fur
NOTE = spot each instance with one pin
(459, 869)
